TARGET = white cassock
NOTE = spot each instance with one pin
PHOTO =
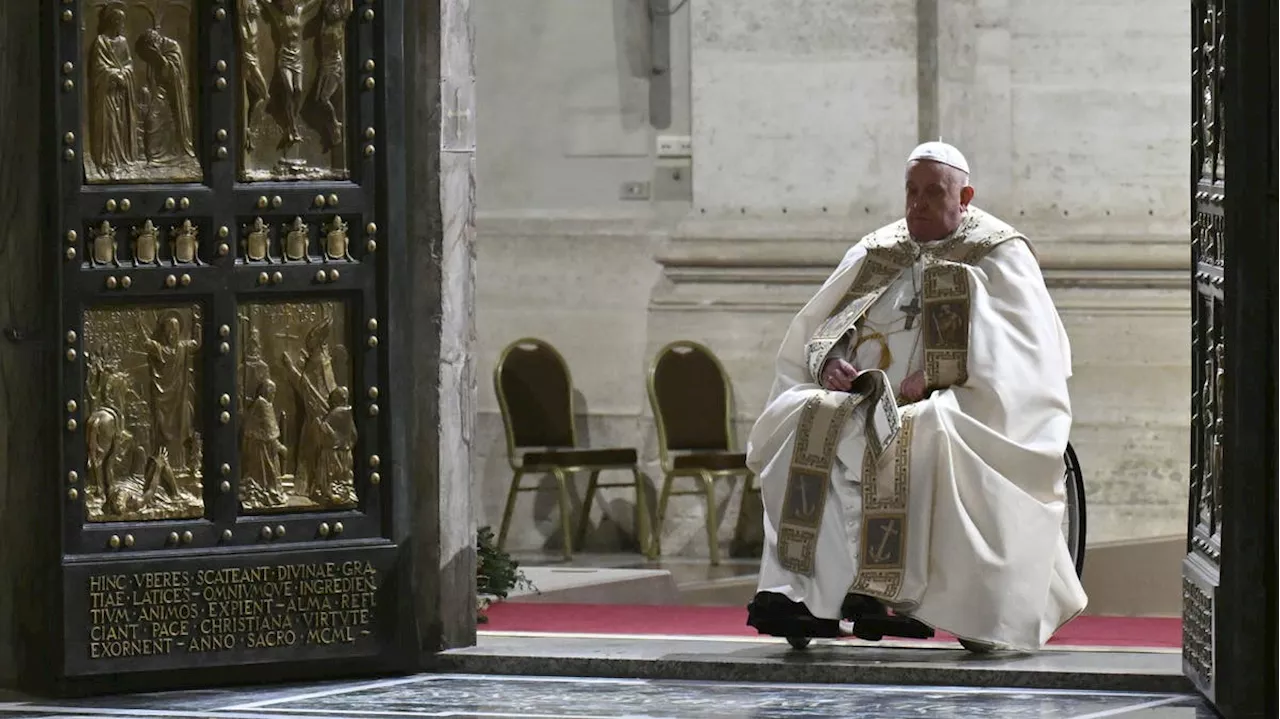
(948, 509)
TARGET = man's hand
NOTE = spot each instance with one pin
(913, 387)
(838, 375)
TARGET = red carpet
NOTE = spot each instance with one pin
(731, 622)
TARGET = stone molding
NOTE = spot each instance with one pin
(534, 224)
(821, 242)
(761, 265)
(808, 242)
(757, 264)
(787, 289)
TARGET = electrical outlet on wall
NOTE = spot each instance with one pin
(675, 146)
(634, 191)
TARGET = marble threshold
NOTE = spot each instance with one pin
(845, 661)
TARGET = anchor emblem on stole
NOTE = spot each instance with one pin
(881, 553)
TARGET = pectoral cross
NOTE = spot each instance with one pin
(912, 310)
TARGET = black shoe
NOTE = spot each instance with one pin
(773, 604)
(856, 606)
(875, 628)
(776, 615)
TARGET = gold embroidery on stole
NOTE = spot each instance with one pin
(808, 478)
(946, 324)
(883, 541)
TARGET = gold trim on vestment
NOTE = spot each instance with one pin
(885, 494)
(946, 324)
(805, 499)
(824, 416)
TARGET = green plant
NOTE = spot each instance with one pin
(496, 573)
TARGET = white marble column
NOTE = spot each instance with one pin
(437, 376)
(457, 452)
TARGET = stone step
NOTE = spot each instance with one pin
(765, 659)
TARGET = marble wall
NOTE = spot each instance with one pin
(801, 105)
(801, 114)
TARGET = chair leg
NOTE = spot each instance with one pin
(511, 507)
(713, 523)
(566, 512)
(663, 498)
(644, 529)
(747, 480)
(580, 534)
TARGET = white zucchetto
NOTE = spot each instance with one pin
(938, 151)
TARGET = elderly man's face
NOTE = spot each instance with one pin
(936, 198)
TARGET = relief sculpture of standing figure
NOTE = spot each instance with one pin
(287, 15)
(261, 450)
(170, 361)
(113, 100)
(336, 462)
(333, 41)
(314, 382)
(255, 369)
(256, 90)
(169, 78)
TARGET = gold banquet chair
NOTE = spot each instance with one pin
(535, 394)
(692, 403)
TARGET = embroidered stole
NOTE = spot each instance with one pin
(885, 485)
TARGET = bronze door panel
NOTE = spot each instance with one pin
(142, 426)
(298, 431)
(141, 119)
(293, 81)
(219, 194)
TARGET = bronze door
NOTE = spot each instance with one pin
(222, 216)
(1229, 574)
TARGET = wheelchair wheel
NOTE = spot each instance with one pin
(977, 647)
(1073, 518)
(798, 642)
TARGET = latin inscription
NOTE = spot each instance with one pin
(236, 608)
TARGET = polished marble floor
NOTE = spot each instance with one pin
(455, 695)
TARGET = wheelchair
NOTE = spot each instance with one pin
(873, 622)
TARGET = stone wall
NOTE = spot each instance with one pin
(802, 106)
(802, 113)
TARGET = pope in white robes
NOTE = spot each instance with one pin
(910, 454)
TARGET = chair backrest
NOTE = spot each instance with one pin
(535, 393)
(691, 398)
